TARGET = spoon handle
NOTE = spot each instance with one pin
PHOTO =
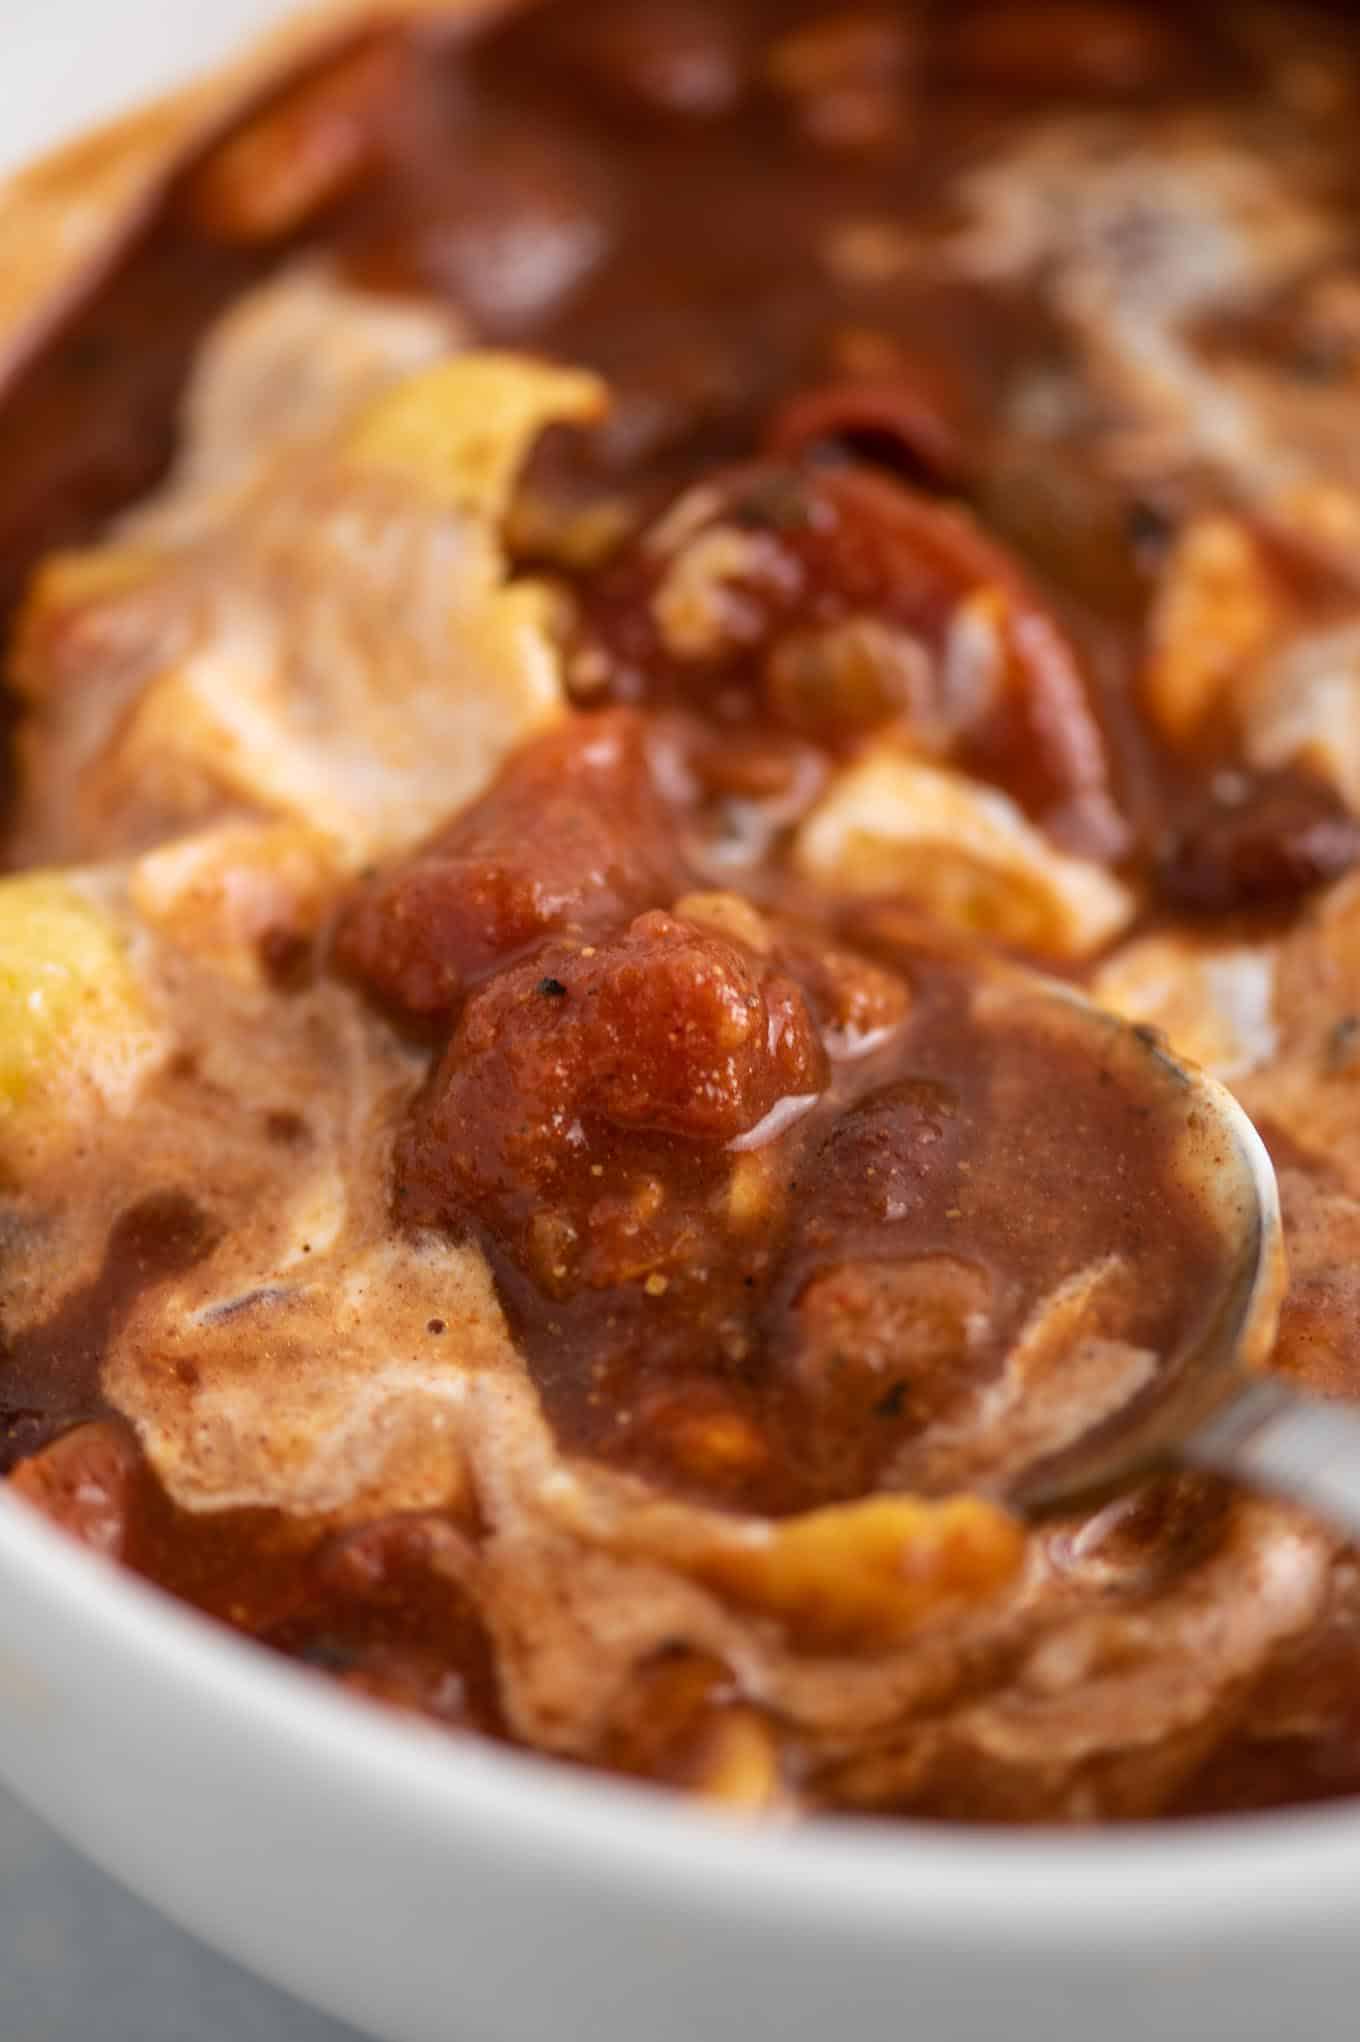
(1276, 1437)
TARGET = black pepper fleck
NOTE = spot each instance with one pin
(891, 1403)
(1149, 529)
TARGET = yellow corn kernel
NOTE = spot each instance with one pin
(1218, 609)
(870, 1572)
(726, 914)
(891, 824)
(751, 1189)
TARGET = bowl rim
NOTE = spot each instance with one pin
(1127, 1886)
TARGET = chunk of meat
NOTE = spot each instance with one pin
(84, 1482)
(1274, 840)
(592, 1056)
(836, 600)
(574, 834)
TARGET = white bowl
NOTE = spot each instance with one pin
(439, 1890)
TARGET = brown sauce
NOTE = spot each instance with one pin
(583, 1124)
(51, 1371)
(765, 1199)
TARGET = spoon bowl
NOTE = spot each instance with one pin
(1221, 1152)
(1211, 1403)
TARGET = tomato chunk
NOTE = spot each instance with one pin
(573, 835)
(592, 1062)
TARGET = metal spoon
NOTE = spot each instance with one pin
(1210, 1406)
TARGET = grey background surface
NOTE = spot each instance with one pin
(81, 1961)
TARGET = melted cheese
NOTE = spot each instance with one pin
(319, 629)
